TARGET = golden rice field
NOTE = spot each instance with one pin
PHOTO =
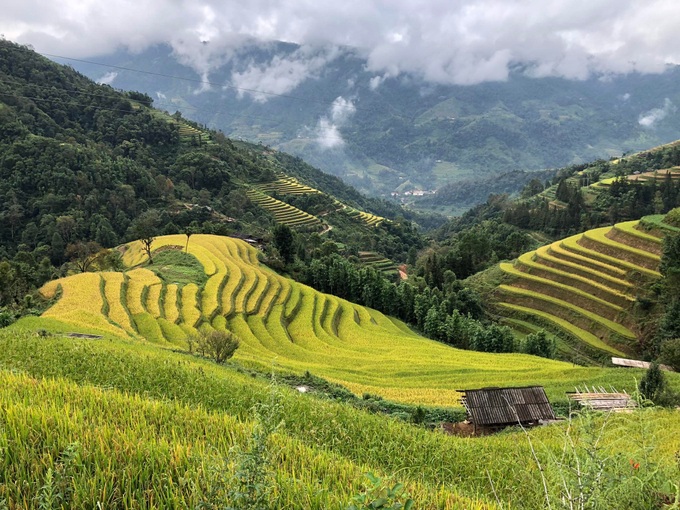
(284, 325)
(584, 286)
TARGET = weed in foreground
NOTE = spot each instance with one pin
(251, 485)
(58, 487)
(379, 494)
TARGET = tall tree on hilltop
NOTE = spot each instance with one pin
(145, 228)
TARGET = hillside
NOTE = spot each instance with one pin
(171, 420)
(146, 232)
(82, 163)
(284, 325)
(584, 287)
(406, 131)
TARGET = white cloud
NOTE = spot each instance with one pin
(650, 118)
(282, 74)
(463, 42)
(341, 110)
(327, 133)
(108, 78)
(376, 81)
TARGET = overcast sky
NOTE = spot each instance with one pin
(443, 41)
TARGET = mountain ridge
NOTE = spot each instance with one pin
(405, 129)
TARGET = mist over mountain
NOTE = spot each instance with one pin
(394, 134)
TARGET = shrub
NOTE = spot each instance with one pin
(6, 318)
(653, 383)
(539, 344)
(673, 217)
(219, 345)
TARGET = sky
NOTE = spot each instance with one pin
(440, 41)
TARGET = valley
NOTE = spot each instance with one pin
(344, 327)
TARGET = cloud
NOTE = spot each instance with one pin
(327, 133)
(461, 42)
(376, 81)
(281, 75)
(650, 118)
(108, 78)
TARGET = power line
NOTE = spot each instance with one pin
(99, 95)
(201, 81)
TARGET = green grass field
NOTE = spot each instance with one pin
(131, 425)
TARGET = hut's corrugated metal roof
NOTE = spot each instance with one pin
(507, 406)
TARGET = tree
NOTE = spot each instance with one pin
(283, 241)
(83, 254)
(189, 231)
(670, 353)
(219, 345)
(145, 228)
(539, 344)
(653, 383)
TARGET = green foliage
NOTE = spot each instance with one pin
(653, 383)
(379, 494)
(283, 241)
(539, 344)
(670, 353)
(673, 217)
(56, 491)
(176, 266)
(218, 345)
(253, 480)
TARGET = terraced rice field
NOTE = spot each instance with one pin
(283, 212)
(286, 185)
(659, 175)
(378, 262)
(188, 133)
(644, 178)
(284, 325)
(369, 219)
(584, 286)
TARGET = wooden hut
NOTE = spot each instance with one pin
(496, 408)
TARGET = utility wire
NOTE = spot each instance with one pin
(156, 104)
(201, 81)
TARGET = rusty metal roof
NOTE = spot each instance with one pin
(507, 406)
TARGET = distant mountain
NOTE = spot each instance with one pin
(83, 162)
(396, 134)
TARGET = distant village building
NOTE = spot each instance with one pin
(496, 408)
